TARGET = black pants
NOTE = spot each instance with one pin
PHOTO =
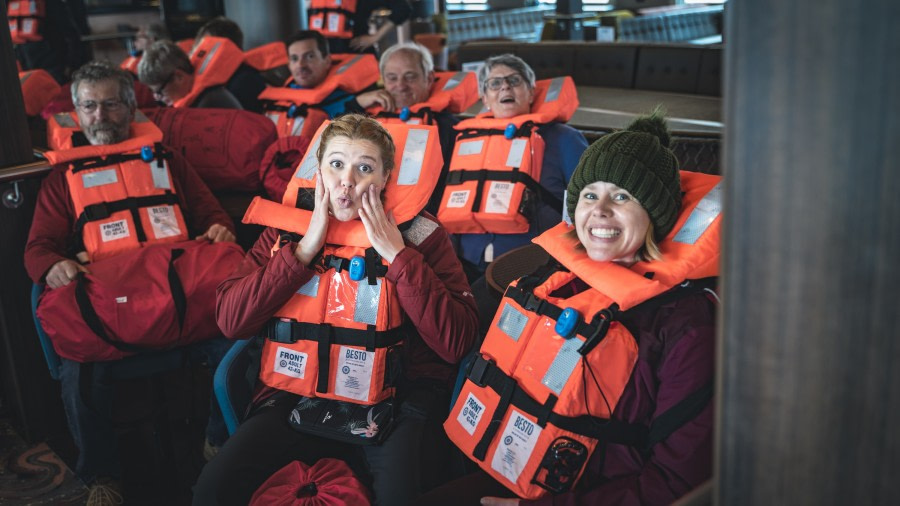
(265, 443)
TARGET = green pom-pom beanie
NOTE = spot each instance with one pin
(637, 159)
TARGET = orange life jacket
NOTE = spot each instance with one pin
(38, 87)
(337, 337)
(267, 57)
(131, 63)
(495, 171)
(123, 194)
(186, 45)
(295, 111)
(25, 18)
(453, 92)
(539, 397)
(332, 18)
(215, 59)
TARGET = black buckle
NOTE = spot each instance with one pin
(478, 369)
(533, 304)
(601, 321)
(336, 263)
(455, 177)
(96, 212)
(282, 332)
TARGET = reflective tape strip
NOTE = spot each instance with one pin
(516, 152)
(24, 78)
(554, 89)
(297, 127)
(307, 169)
(208, 57)
(99, 178)
(454, 81)
(347, 65)
(274, 117)
(413, 156)
(706, 211)
(367, 298)
(139, 117)
(563, 365)
(310, 288)
(160, 176)
(512, 322)
(65, 120)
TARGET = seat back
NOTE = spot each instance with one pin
(46, 346)
(232, 385)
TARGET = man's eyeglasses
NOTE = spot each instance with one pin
(111, 105)
(158, 92)
(407, 78)
(513, 80)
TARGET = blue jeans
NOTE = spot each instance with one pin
(87, 395)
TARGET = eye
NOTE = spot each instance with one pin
(589, 196)
(366, 169)
(336, 164)
(621, 197)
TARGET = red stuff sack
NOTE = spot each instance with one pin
(279, 162)
(224, 146)
(329, 482)
(159, 297)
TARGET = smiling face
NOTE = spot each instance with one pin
(104, 117)
(507, 101)
(349, 167)
(404, 80)
(610, 223)
(307, 64)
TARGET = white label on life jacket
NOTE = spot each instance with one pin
(458, 199)
(499, 196)
(515, 446)
(470, 414)
(470, 147)
(334, 22)
(114, 230)
(99, 178)
(413, 156)
(414, 121)
(160, 175)
(317, 22)
(516, 152)
(354, 373)
(290, 362)
(164, 221)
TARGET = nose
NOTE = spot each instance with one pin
(348, 179)
(602, 208)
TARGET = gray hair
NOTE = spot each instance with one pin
(103, 70)
(510, 60)
(414, 48)
(160, 60)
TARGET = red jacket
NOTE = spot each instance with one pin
(430, 282)
(54, 216)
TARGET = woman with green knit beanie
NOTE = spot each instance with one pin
(610, 334)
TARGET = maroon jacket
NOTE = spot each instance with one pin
(429, 279)
(53, 227)
(676, 352)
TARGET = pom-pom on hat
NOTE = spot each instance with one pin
(638, 160)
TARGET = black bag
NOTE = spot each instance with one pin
(344, 421)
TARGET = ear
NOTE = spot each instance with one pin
(430, 78)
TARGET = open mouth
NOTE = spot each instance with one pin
(508, 100)
(605, 232)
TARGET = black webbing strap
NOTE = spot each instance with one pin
(485, 373)
(325, 338)
(425, 114)
(676, 416)
(326, 10)
(94, 162)
(522, 131)
(457, 177)
(374, 268)
(90, 317)
(290, 332)
(103, 210)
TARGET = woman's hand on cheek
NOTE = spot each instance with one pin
(314, 239)
(381, 229)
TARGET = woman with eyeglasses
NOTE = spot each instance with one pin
(507, 88)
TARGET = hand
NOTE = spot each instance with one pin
(363, 42)
(376, 97)
(499, 501)
(63, 272)
(381, 229)
(217, 233)
(314, 239)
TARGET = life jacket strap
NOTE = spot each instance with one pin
(457, 177)
(289, 332)
(593, 332)
(103, 210)
(326, 10)
(159, 154)
(485, 373)
(524, 130)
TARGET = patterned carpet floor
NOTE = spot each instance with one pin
(34, 475)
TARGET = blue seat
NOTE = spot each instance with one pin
(231, 384)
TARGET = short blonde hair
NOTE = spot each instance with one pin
(360, 127)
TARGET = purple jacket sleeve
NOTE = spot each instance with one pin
(683, 460)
